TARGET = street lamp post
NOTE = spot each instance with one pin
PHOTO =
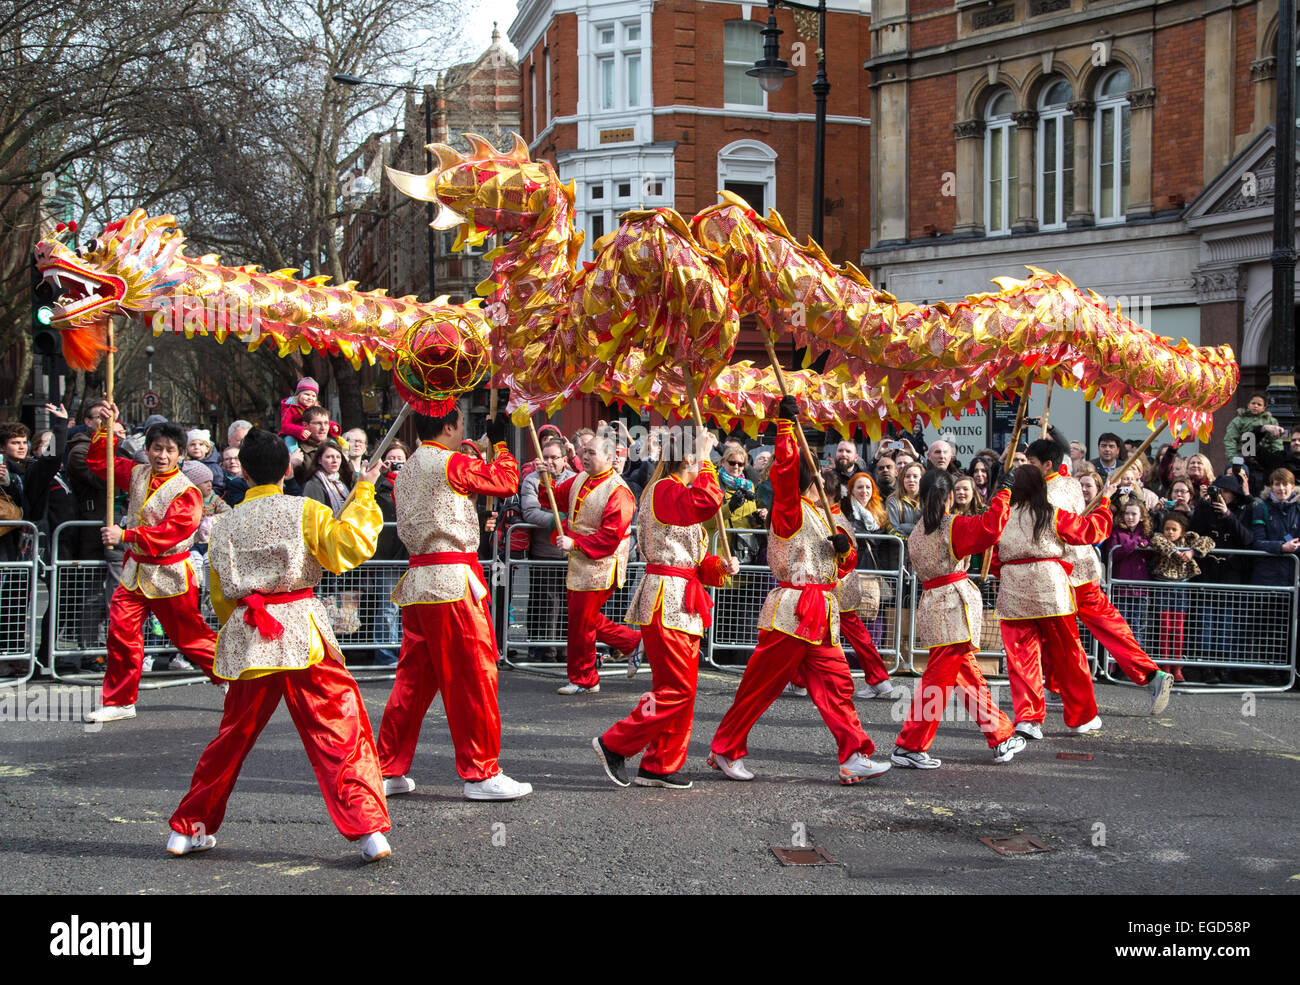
(1282, 347)
(771, 71)
(354, 80)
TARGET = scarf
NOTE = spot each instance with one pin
(335, 491)
(732, 483)
(862, 515)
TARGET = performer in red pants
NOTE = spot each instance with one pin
(161, 524)
(600, 509)
(948, 620)
(276, 644)
(448, 643)
(1095, 610)
(672, 608)
(1036, 603)
(799, 622)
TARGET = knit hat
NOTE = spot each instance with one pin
(153, 419)
(196, 472)
(200, 434)
(307, 383)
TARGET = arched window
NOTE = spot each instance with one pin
(999, 163)
(1055, 156)
(748, 168)
(1110, 177)
(742, 45)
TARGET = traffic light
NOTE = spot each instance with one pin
(45, 337)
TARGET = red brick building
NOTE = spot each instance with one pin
(646, 104)
(1112, 141)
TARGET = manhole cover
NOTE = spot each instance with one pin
(1016, 845)
(812, 855)
(1083, 756)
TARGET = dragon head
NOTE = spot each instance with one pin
(127, 269)
(485, 191)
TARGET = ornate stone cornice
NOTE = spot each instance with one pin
(1142, 98)
(1221, 284)
(968, 129)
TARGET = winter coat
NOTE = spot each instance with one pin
(291, 422)
(1166, 565)
(1243, 424)
(1231, 532)
(535, 508)
(1273, 524)
(1129, 557)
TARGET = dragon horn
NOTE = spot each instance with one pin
(519, 152)
(447, 156)
(418, 186)
(481, 148)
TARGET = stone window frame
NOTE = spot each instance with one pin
(1004, 123)
(1064, 116)
(1121, 105)
(750, 161)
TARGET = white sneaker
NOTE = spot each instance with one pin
(499, 787)
(1030, 730)
(375, 847)
(147, 664)
(1091, 726)
(885, 689)
(798, 692)
(395, 786)
(732, 769)
(179, 844)
(1009, 747)
(180, 663)
(908, 759)
(572, 688)
(1159, 687)
(111, 713)
(859, 767)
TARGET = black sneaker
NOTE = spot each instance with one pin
(612, 763)
(672, 781)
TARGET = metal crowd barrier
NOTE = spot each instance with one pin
(18, 629)
(1226, 628)
(1220, 627)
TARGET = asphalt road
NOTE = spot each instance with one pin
(1200, 800)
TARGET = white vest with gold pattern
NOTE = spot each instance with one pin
(432, 518)
(1032, 591)
(258, 547)
(806, 557)
(950, 613)
(1065, 493)
(156, 581)
(665, 543)
(595, 574)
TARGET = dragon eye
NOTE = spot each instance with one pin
(91, 245)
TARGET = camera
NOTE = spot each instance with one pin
(394, 466)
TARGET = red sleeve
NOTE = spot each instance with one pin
(683, 505)
(975, 534)
(469, 474)
(787, 508)
(182, 520)
(335, 430)
(614, 523)
(1084, 531)
(713, 571)
(291, 422)
(95, 454)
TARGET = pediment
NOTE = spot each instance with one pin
(1244, 189)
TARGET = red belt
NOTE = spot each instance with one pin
(942, 580)
(1038, 560)
(442, 557)
(263, 621)
(697, 599)
(167, 559)
(811, 610)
